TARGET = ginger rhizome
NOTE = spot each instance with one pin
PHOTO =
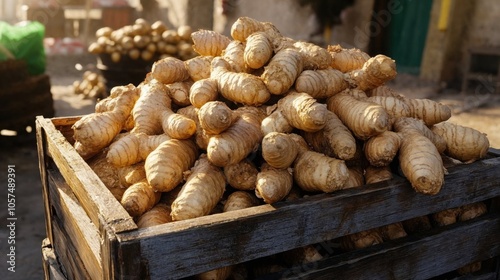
(365, 119)
(95, 131)
(166, 164)
(202, 191)
(463, 143)
(273, 184)
(421, 163)
(239, 140)
(241, 88)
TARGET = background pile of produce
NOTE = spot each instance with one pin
(92, 85)
(143, 41)
(259, 118)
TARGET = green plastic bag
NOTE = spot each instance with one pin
(24, 41)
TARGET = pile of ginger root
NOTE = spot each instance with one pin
(259, 117)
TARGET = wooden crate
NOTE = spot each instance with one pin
(95, 238)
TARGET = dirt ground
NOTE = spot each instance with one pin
(480, 111)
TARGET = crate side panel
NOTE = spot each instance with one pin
(420, 256)
(78, 227)
(208, 242)
(98, 202)
(41, 143)
(68, 255)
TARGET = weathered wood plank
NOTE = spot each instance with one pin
(100, 205)
(420, 256)
(72, 217)
(41, 142)
(188, 247)
(68, 255)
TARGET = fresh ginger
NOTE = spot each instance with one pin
(392, 231)
(133, 148)
(445, 217)
(361, 240)
(356, 177)
(395, 107)
(282, 71)
(203, 189)
(314, 56)
(472, 211)
(215, 117)
(381, 149)
(166, 164)
(315, 171)
(334, 140)
(241, 175)
(240, 200)
(239, 87)
(152, 116)
(275, 122)
(365, 119)
(209, 43)
(377, 174)
(430, 111)
(159, 214)
(234, 54)
(201, 137)
(179, 92)
(403, 123)
(273, 184)
(421, 163)
(346, 60)
(131, 174)
(258, 50)
(203, 91)
(463, 143)
(278, 149)
(303, 111)
(169, 70)
(239, 140)
(244, 27)
(95, 131)
(375, 72)
(198, 67)
(139, 198)
(176, 125)
(147, 111)
(321, 83)
(384, 91)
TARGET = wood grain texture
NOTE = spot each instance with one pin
(420, 256)
(75, 223)
(42, 166)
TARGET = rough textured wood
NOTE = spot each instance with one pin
(68, 255)
(269, 229)
(72, 218)
(42, 165)
(421, 256)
